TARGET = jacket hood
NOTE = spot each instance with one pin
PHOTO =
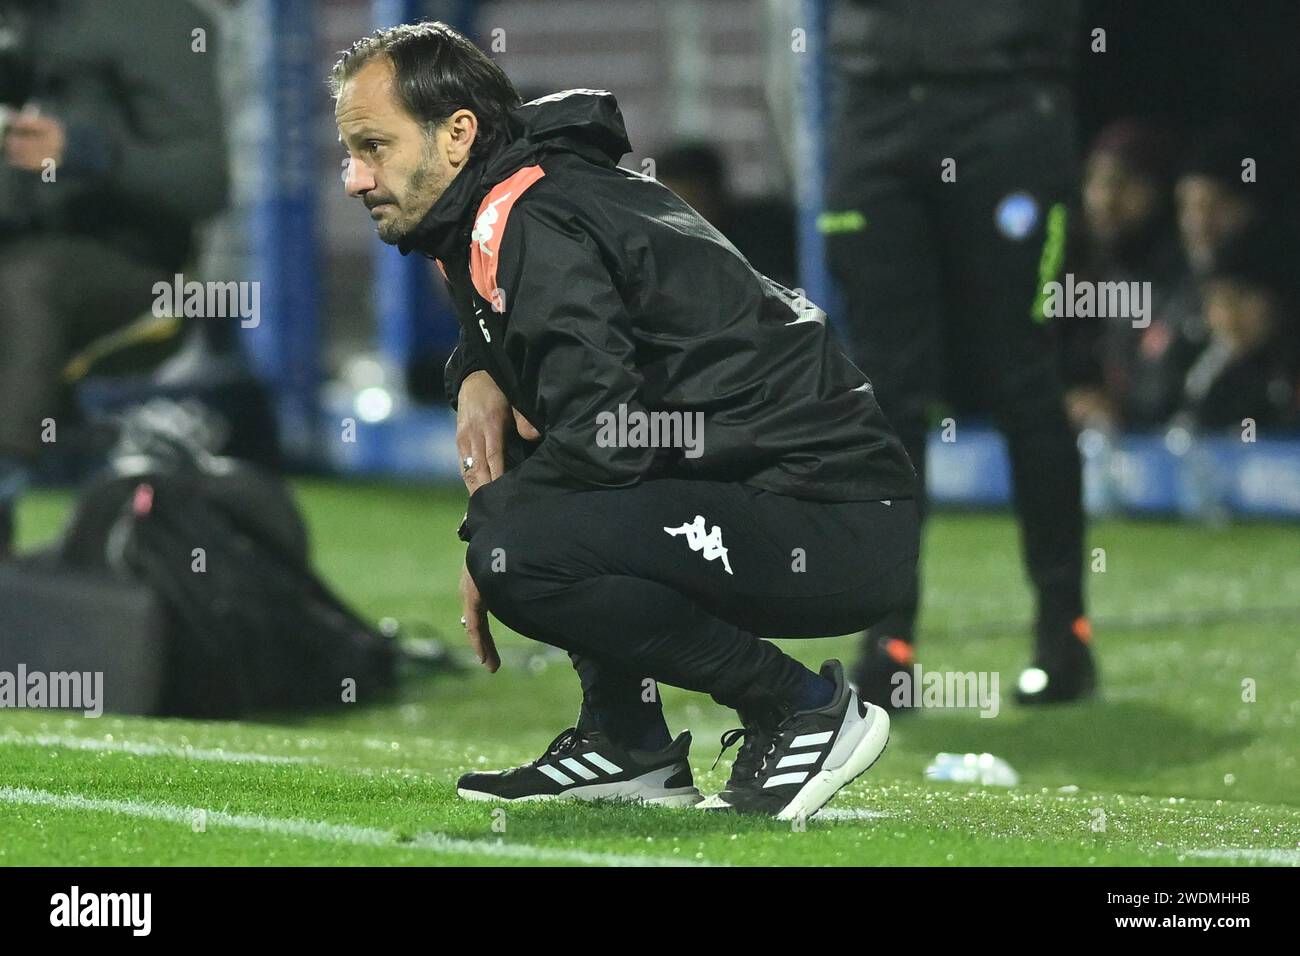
(587, 123)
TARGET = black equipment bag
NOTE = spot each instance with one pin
(249, 625)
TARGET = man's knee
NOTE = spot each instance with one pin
(511, 565)
(487, 561)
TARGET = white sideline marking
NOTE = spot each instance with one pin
(851, 813)
(331, 832)
(1276, 855)
(73, 742)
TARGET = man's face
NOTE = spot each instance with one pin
(394, 165)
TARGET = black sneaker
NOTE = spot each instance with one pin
(1063, 669)
(809, 756)
(875, 676)
(586, 765)
(757, 734)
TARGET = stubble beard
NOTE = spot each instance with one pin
(422, 191)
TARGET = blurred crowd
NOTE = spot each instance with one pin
(1194, 217)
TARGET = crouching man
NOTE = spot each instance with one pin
(669, 459)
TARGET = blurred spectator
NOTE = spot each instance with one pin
(1126, 202)
(1120, 373)
(1247, 370)
(1215, 203)
(763, 229)
(112, 153)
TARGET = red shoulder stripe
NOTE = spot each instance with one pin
(485, 240)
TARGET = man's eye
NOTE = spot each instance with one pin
(372, 144)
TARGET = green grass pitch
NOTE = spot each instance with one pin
(1169, 766)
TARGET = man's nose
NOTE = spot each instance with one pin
(357, 178)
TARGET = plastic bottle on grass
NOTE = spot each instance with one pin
(984, 769)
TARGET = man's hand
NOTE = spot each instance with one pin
(476, 623)
(31, 139)
(481, 416)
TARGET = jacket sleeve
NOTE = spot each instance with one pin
(568, 331)
(463, 362)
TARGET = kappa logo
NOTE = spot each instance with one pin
(482, 233)
(710, 543)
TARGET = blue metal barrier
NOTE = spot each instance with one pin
(284, 346)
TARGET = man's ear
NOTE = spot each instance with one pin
(462, 131)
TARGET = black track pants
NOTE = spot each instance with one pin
(677, 581)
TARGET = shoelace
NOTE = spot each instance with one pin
(749, 759)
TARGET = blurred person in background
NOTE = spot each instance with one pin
(1248, 367)
(112, 152)
(1119, 374)
(1215, 201)
(1214, 204)
(763, 228)
(952, 161)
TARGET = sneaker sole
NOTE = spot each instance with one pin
(676, 798)
(819, 790)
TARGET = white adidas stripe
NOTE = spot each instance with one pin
(798, 760)
(798, 776)
(606, 765)
(556, 774)
(580, 769)
(809, 740)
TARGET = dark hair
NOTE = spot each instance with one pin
(437, 71)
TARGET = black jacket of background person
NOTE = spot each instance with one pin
(145, 159)
(884, 40)
(581, 286)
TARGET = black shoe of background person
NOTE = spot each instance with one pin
(1063, 668)
(875, 676)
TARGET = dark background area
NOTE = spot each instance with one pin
(1195, 63)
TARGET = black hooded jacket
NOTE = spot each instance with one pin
(582, 287)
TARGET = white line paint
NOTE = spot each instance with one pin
(140, 749)
(1279, 856)
(331, 832)
(851, 813)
